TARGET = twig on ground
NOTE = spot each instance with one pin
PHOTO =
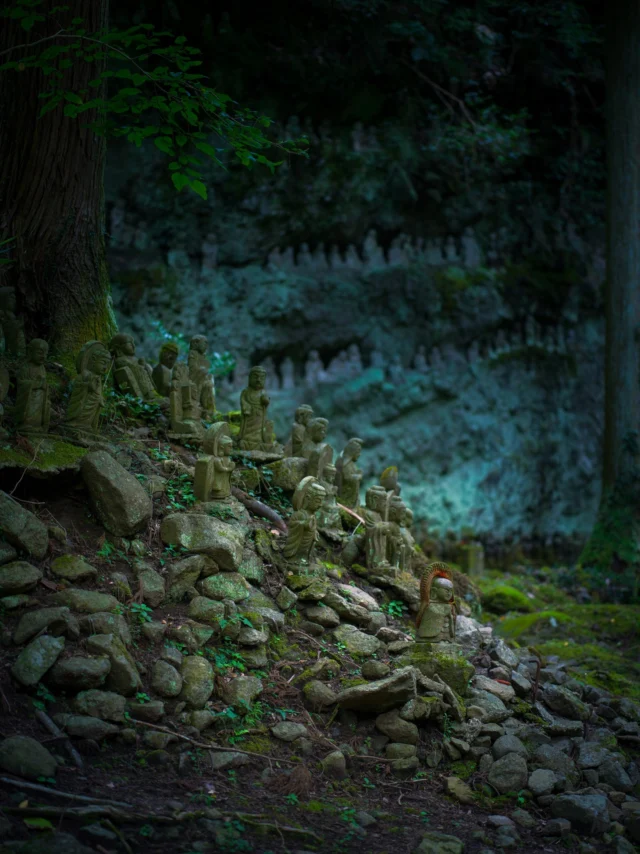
(49, 725)
(56, 793)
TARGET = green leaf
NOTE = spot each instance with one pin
(73, 98)
(207, 149)
(50, 105)
(165, 144)
(38, 823)
(199, 188)
(179, 180)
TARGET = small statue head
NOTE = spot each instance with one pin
(329, 474)
(304, 414)
(397, 510)
(122, 345)
(199, 343)
(37, 351)
(353, 449)
(169, 354)
(354, 351)
(314, 356)
(389, 478)
(217, 440)
(93, 357)
(8, 300)
(309, 495)
(442, 589)
(407, 522)
(318, 429)
(257, 378)
(375, 498)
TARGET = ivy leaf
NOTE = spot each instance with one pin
(179, 180)
(199, 188)
(165, 144)
(73, 98)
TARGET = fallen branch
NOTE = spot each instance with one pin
(351, 513)
(56, 793)
(259, 509)
(49, 725)
(206, 746)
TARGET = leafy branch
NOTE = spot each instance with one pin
(161, 97)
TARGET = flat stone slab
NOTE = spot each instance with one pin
(258, 457)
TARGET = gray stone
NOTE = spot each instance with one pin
(557, 827)
(439, 843)
(392, 725)
(153, 631)
(521, 685)
(324, 616)
(318, 696)
(508, 774)
(182, 577)
(205, 535)
(335, 765)
(541, 782)
(563, 701)
(356, 642)
(201, 719)
(228, 759)
(508, 744)
(85, 601)
(85, 726)
(225, 585)
(504, 692)
(549, 757)
(106, 705)
(493, 710)
(591, 755)
(288, 473)
(119, 499)
(381, 695)
(374, 669)
(36, 659)
(197, 681)
(22, 529)
(399, 750)
(79, 673)
(56, 621)
(151, 712)
(26, 757)
(123, 677)
(242, 691)
(103, 623)
(286, 598)
(251, 567)
(613, 774)
(206, 610)
(165, 679)
(151, 587)
(588, 814)
(289, 731)
(500, 651)
(73, 568)
(18, 577)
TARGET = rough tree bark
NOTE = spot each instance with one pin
(622, 365)
(52, 197)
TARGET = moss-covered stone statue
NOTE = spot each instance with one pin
(315, 435)
(213, 471)
(377, 528)
(295, 445)
(130, 375)
(199, 372)
(12, 325)
(436, 620)
(32, 411)
(256, 431)
(398, 553)
(329, 513)
(86, 399)
(161, 374)
(389, 480)
(303, 524)
(349, 476)
(184, 408)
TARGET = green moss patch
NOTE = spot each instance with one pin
(53, 455)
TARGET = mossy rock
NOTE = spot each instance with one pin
(54, 456)
(502, 598)
(442, 660)
(258, 744)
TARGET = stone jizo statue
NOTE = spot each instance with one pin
(349, 476)
(303, 524)
(131, 375)
(184, 406)
(161, 374)
(287, 369)
(199, 368)
(33, 410)
(12, 325)
(256, 431)
(213, 472)
(377, 528)
(314, 369)
(86, 399)
(436, 620)
(315, 434)
(329, 513)
(303, 416)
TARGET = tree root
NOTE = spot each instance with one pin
(49, 725)
(259, 509)
(56, 793)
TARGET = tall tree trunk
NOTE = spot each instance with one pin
(622, 376)
(52, 197)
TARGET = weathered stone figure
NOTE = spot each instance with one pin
(354, 362)
(436, 620)
(12, 325)
(33, 410)
(303, 416)
(161, 374)
(329, 513)
(389, 480)
(256, 432)
(86, 400)
(399, 552)
(213, 472)
(349, 476)
(314, 369)
(314, 443)
(420, 360)
(184, 407)
(377, 528)
(287, 370)
(199, 367)
(131, 375)
(303, 524)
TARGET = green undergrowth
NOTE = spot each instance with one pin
(52, 454)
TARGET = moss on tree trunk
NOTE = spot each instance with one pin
(51, 184)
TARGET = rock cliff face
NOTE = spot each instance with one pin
(498, 427)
